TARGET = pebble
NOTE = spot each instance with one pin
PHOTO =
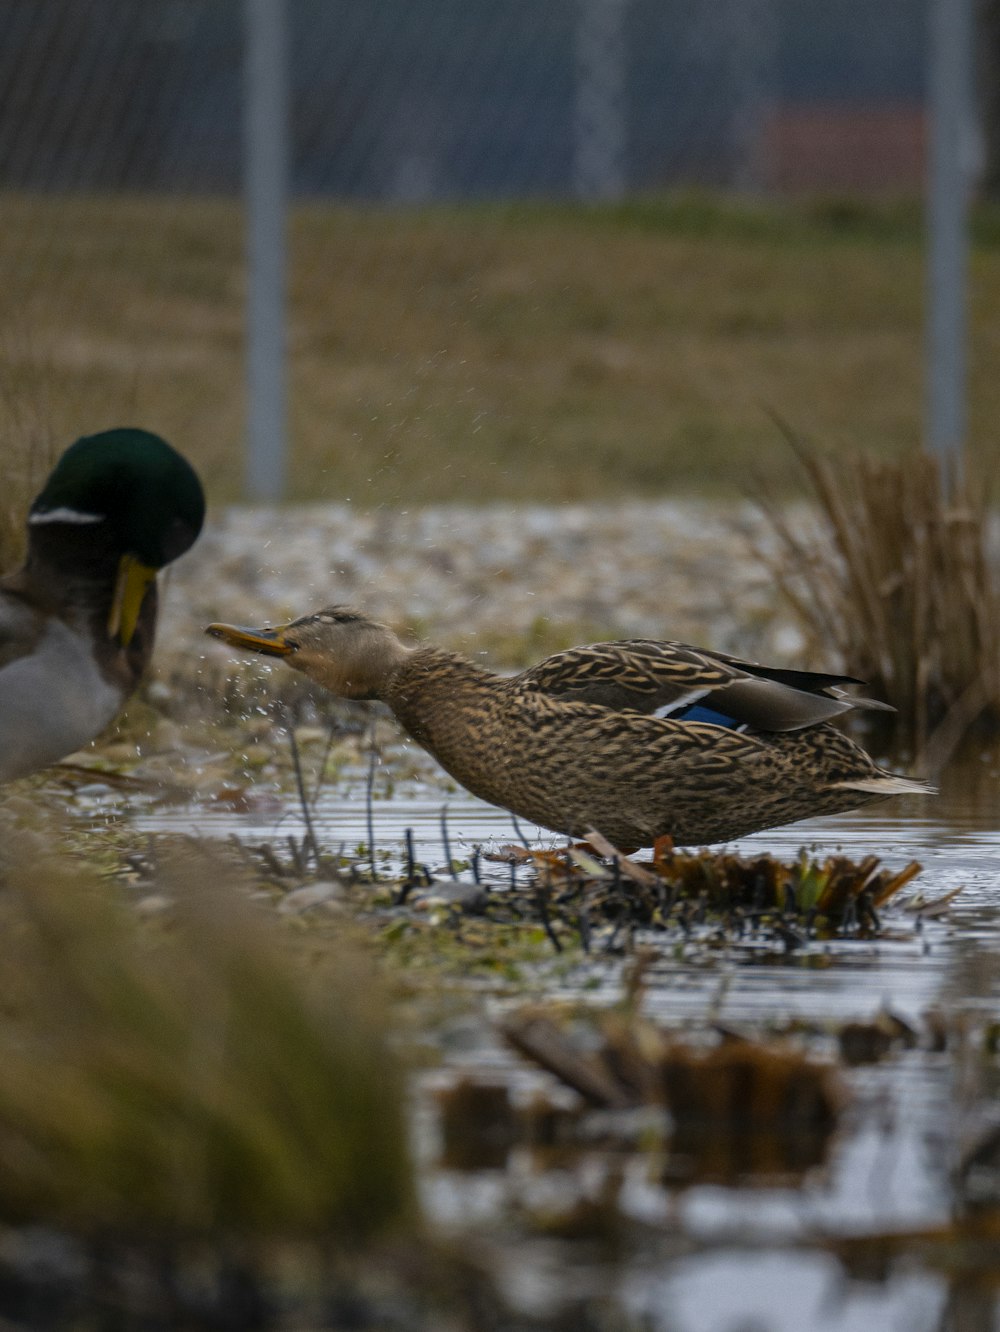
(682, 569)
(468, 897)
(310, 895)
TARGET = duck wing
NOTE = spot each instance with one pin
(692, 684)
(21, 625)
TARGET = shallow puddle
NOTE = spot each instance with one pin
(709, 1257)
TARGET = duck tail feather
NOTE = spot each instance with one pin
(888, 784)
(871, 704)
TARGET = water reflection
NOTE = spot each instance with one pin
(780, 1289)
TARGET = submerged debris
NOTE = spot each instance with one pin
(736, 1108)
(589, 896)
(869, 1042)
(677, 890)
(733, 1083)
(479, 1124)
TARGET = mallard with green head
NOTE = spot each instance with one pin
(77, 621)
(636, 739)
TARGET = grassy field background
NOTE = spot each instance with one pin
(530, 352)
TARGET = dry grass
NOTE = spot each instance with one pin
(898, 582)
(164, 1083)
(476, 353)
(29, 452)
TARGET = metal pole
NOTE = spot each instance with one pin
(265, 195)
(750, 43)
(951, 163)
(600, 131)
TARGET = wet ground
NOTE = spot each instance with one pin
(717, 1255)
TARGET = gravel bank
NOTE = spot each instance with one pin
(510, 581)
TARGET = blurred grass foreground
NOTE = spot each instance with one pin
(183, 1078)
(474, 352)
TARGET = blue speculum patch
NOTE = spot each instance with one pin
(696, 713)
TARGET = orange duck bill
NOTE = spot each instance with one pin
(270, 642)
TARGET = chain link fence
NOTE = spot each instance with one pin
(420, 100)
(416, 127)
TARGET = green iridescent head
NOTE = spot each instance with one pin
(146, 497)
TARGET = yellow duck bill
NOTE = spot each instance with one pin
(270, 642)
(131, 585)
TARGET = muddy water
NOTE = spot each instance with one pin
(722, 1259)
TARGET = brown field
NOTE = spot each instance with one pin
(469, 353)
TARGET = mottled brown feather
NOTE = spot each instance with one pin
(544, 745)
(649, 676)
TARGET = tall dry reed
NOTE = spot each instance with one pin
(892, 574)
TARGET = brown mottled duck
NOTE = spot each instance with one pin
(636, 739)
